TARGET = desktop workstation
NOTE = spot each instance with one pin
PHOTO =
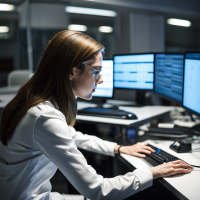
(177, 77)
(187, 186)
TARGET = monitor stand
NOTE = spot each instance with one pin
(195, 129)
(141, 98)
(121, 103)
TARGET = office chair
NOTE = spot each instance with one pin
(18, 77)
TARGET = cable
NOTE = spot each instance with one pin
(195, 166)
(194, 149)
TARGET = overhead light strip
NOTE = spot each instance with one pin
(179, 22)
(6, 7)
(4, 29)
(105, 29)
(77, 27)
(90, 11)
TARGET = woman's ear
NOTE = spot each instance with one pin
(71, 76)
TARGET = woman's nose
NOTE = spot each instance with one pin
(100, 80)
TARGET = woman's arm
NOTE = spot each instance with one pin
(53, 138)
(95, 144)
(92, 143)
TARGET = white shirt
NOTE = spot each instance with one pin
(43, 129)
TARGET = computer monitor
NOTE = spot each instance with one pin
(168, 77)
(191, 83)
(134, 71)
(105, 90)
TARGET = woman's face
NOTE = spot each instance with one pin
(84, 83)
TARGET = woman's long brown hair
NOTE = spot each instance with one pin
(66, 50)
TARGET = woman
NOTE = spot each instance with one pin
(37, 134)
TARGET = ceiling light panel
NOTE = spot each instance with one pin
(77, 27)
(179, 22)
(90, 11)
(4, 29)
(6, 7)
(105, 29)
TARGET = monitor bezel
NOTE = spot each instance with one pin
(186, 108)
(161, 95)
(128, 89)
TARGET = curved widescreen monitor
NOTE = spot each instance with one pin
(191, 83)
(105, 90)
(169, 75)
(134, 71)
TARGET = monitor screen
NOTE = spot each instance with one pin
(191, 83)
(105, 90)
(169, 75)
(134, 71)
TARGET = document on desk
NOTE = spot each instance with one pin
(188, 185)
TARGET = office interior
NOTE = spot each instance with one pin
(136, 27)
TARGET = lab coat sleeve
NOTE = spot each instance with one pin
(92, 143)
(53, 138)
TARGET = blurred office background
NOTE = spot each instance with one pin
(135, 26)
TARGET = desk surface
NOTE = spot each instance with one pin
(187, 185)
(9, 89)
(143, 114)
(5, 98)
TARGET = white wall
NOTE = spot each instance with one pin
(46, 16)
(146, 33)
(10, 49)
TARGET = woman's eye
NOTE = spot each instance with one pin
(94, 72)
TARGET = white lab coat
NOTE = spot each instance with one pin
(43, 130)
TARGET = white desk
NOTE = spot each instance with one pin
(143, 113)
(9, 89)
(5, 98)
(189, 184)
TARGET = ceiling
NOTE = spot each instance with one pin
(181, 7)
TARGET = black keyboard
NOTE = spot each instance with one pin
(107, 112)
(169, 132)
(159, 157)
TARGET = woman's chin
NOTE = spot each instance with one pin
(89, 97)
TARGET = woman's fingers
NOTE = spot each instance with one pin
(170, 169)
(145, 151)
(139, 155)
(181, 171)
(149, 148)
(146, 143)
(142, 146)
(181, 164)
(176, 171)
(177, 161)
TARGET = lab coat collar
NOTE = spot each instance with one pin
(50, 104)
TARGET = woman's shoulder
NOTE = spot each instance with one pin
(45, 108)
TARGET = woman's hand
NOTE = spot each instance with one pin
(170, 168)
(136, 150)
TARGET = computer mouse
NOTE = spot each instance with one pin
(131, 116)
